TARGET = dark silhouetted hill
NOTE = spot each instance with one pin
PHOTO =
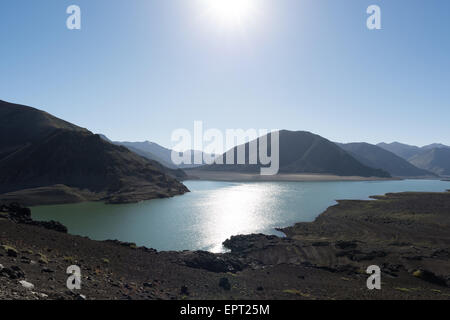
(305, 152)
(40, 150)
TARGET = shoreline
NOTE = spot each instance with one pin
(323, 259)
(62, 194)
(330, 252)
(248, 177)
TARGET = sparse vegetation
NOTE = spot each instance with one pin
(10, 250)
(42, 258)
(297, 292)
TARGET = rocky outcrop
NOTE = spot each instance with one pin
(18, 214)
(213, 262)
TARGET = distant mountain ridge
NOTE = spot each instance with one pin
(376, 157)
(404, 151)
(305, 152)
(436, 160)
(154, 151)
(39, 150)
(150, 151)
(434, 157)
(435, 146)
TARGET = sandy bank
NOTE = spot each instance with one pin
(236, 176)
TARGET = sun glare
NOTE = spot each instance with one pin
(230, 12)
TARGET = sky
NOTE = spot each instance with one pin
(140, 69)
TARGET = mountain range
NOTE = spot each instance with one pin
(434, 157)
(369, 155)
(156, 152)
(304, 152)
(376, 157)
(46, 160)
(52, 158)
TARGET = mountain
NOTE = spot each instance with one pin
(104, 137)
(194, 154)
(150, 151)
(39, 150)
(21, 126)
(436, 160)
(376, 157)
(404, 151)
(435, 146)
(434, 157)
(305, 152)
(154, 151)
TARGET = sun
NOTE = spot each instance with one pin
(230, 12)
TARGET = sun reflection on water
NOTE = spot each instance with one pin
(236, 210)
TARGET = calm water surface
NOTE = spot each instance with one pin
(214, 211)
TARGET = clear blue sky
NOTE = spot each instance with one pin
(139, 69)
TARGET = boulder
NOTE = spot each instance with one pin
(27, 285)
(212, 262)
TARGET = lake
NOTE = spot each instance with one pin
(214, 211)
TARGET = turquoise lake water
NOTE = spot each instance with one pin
(214, 211)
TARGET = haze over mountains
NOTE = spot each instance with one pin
(38, 150)
(434, 157)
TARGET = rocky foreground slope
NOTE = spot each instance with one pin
(407, 235)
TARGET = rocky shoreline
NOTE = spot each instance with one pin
(406, 234)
